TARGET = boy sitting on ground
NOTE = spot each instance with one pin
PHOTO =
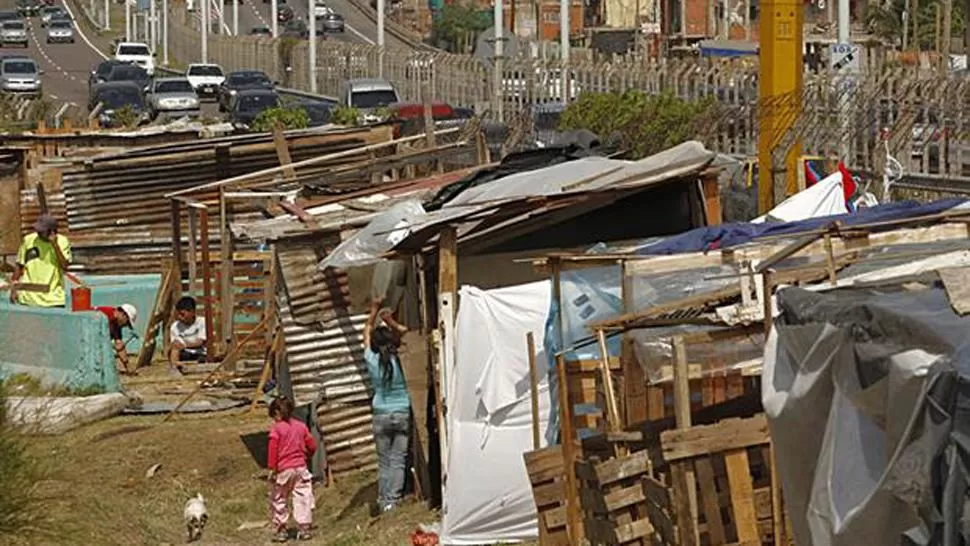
(187, 335)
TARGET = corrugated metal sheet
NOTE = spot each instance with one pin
(325, 354)
(326, 363)
(30, 210)
(114, 203)
(314, 296)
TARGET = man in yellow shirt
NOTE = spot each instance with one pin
(42, 260)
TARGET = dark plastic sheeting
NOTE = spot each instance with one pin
(867, 395)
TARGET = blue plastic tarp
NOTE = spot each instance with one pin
(728, 235)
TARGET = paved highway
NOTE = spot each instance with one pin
(66, 66)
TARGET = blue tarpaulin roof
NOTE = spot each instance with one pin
(727, 48)
(728, 235)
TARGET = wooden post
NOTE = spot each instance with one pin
(193, 254)
(634, 379)
(269, 293)
(177, 246)
(448, 262)
(681, 384)
(283, 152)
(42, 199)
(777, 512)
(206, 278)
(568, 441)
(830, 260)
(613, 413)
(447, 311)
(767, 283)
(429, 126)
(534, 390)
(684, 478)
(226, 304)
(711, 194)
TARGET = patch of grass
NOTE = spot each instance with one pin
(22, 510)
(104, 497)
(22, 384)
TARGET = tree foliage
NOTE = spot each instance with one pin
(640, 124)
(127, 117)
(289, 118)
(346, 115)
(459, 24)
(885, 20)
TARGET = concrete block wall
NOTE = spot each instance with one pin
(58, 347)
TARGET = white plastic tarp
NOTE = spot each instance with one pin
(826, 198)
(488, 498)
(379, 236)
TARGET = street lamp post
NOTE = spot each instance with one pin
(313, 45)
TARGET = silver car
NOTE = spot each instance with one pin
(332, 22)
(20, 76)
(13, 32)
(172, 98)
(60, 31)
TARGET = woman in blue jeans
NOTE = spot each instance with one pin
(391, 403)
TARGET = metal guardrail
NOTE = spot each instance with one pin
(316, 97)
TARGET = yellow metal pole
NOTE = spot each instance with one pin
(780, 93)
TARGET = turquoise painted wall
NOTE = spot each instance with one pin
(57, 346)
(113, 290)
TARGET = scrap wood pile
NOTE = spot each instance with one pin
(660, 483)
(683, 455)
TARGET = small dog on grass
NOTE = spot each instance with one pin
(196, 516)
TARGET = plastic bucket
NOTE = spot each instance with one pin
(81, 299)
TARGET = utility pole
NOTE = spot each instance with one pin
(966, 27)
(906, 26)
(780, 59)
(727, 19)
(274, 12)
(127, 20)
(564, 6)
(235, 17)
(498, 69)
(107, 14)
(313, 46)
(844, 38)
(380, 37)
(205, 30)
(164, 32)
(947, 35)
(222, 18)
(152, 38)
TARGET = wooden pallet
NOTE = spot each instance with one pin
(722, 483)
(547, 476)
(624, 504)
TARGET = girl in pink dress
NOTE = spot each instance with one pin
(290, 445)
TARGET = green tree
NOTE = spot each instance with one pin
(640, 124)
(459, 24)
(289, 118)
(885, 20)
(346, 115)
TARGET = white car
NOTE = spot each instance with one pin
(321, 9)
(137, 53)
(205, 79)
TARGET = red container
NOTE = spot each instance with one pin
(81, 299)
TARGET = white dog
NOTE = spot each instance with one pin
(196, 516)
